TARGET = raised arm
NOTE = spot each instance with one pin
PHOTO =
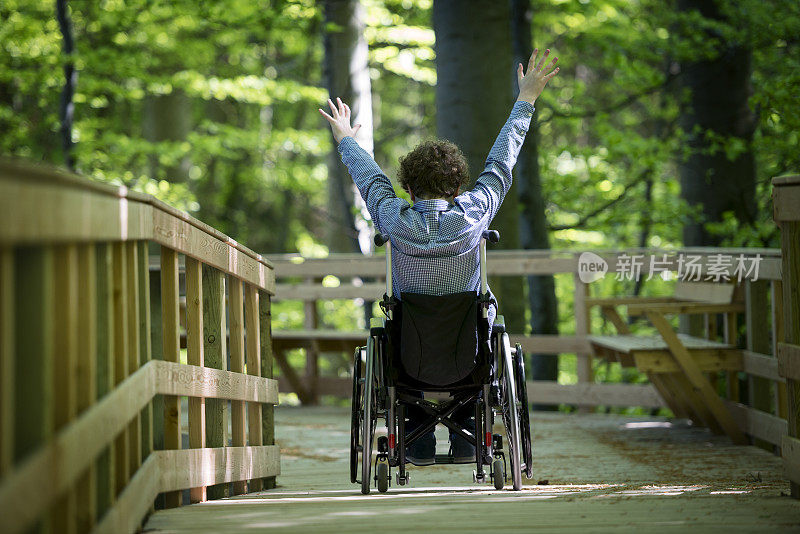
(485, 198)
(373, 184)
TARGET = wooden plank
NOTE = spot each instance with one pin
(105, 369)
(65, 375)
(268, 411)
(292, 379)
(24, 498)
(758, 424)
(50, 205)
(120, 314)
(170, 315)
(86, 367)
(706, 360)
(612, 315)
(214, 356)
(194, 381)
(640, 344)
(196, 243)
(34, 359)
(762, 365)
(777, 336)
(693, 402)
(785, 200)
(253, 356)
(309, 292)
(195, 356)
(707, 292)
(757, 327)
(790, 271)
(695, 377)
(135, 502)
(731, 376)
(310, 322)
(175, 470)
(6, 359)
(673, 402)
(145, 347)
(192, 467)
(789, 361)
(790, 452)
(44, 212)
(134, 349)
(236, 346)
(684, 308)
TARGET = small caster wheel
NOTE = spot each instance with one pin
(498, 475)
(382, 474)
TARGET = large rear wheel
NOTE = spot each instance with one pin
(511, 413)
(369, 416)
(524, 415)
(355, 414)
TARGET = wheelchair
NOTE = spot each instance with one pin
(440, 345)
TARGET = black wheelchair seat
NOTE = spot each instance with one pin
(438, 337)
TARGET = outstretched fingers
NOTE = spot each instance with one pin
(330, 119)
(532, 60)
(541, 61)
(555, 71)
(334, 111)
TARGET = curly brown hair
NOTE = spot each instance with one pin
(434, 169)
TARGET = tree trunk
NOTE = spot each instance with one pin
(347, 77)
(473, 64)
(533, 221)
(719, 88)
(168, 118)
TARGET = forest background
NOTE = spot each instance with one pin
(663, 128)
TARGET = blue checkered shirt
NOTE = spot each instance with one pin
(435, 244)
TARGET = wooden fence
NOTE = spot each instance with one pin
(91, 378)
(786, 212)
(301, 279)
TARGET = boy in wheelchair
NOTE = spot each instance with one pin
(439, 306)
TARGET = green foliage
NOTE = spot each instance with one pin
(211, 106)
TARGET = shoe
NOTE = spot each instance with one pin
(423, 451)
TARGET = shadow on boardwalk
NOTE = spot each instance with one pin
(603, 473)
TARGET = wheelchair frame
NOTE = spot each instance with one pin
(376, 396)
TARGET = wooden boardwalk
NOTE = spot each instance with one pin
(603, 473)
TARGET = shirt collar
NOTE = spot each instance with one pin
(431, 204)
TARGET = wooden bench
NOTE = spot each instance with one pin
(676, 363)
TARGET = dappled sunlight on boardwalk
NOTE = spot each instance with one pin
(592, 472)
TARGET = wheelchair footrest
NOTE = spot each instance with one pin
(447, 459)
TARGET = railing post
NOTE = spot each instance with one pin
(170, 314)
(756, 316)
(34, 350)
(268, 410)
(65, 405)
(311, 322)
(195, 356)
(215, 356)
(86, 490)
(786, 212)
(120, 355)
(584, 360)
(253, 354)
(236, 348)
(7, 324)
(134, 349)
(105, 370)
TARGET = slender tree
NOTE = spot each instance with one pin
(473, 62)
(347, 77)
(67, 109)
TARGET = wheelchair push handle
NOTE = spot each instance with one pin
(492, 236)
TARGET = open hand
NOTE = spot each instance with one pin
(340, 120)
(532, 84)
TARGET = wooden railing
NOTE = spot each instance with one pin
(300, 279)
(786, 212)
(91, 379)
